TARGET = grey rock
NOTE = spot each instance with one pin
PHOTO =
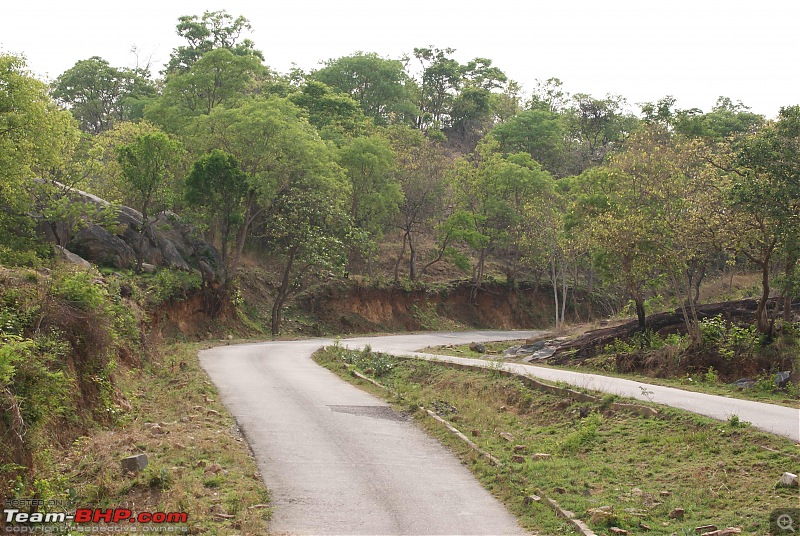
(99, 246)
(135, 463)
(788, 480)
(744, 383)
(67, 256)
(782, 379)
(477, 347)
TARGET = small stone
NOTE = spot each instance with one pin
(705, 528)
(517, 459)
(788, 480)
(156, 429)
(644, 526)
(530, 499)
(665, 493)
(562, 491)
(677, 513)
(477, 347)
(214, 468)
(213, 413)
(602, 515)
(617, 530)
(135, 463)
(476, 433)
(637, 492)
(520, 449)
(507, 436)
(541, 456)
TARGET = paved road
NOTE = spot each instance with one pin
(340, 461)
(778, 420)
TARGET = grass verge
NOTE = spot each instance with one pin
(198, 461)
(642, 469)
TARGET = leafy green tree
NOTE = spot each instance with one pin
(440, 82)
(99, 95)
(101, 173)
(374, 194)
(334, 114)
(597, 124)
(378, 85)
(421, 167)
(540, 133)
(37, 139)
(217, 186)
(274, 146)
(765, 195)
(219, 76)
(148, 165)
(212, 30)
(491, 190)
(304, 230)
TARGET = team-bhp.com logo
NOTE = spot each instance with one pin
(90, 520)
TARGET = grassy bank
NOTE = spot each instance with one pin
(642, 468)
(198, 461)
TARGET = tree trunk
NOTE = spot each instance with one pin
(412, 261)
(400, 259)
(280, 297)
(761, 312)
(640, 314)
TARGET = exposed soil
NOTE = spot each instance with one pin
(351, 308)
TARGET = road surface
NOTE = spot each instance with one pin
(340, 461)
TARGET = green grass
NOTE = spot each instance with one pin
(643, 468)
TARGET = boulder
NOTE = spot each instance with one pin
(477, 347)
(99, 246)
(134, 464)
(67, 256)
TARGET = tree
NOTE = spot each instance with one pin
(374, 191)
(421, 169)
(219, 188)
(597, 124)
(440, 82)
(304, 232)
(378, 85)
(213, 30)
(540, 133)
(218, 77)
(491, 190)
(99, 95)
(334, 114)
(148, 164)
(273, 145)
(37, 139)
(765, 194)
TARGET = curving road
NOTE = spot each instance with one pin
(340, 461)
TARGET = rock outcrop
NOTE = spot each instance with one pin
(167, 242)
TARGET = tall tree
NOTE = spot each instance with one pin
(217, 186)
(378, 85)
(99, 95)
(210, 31)
(374, 192)
(148, 165)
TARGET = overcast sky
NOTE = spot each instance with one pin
(642, 49)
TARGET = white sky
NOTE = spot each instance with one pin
(642, 49)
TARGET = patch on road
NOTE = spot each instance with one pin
(377, 412)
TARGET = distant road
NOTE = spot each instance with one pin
(340, 461)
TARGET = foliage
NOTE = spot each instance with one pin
(100, 96)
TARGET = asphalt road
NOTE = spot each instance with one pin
(340, 461)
